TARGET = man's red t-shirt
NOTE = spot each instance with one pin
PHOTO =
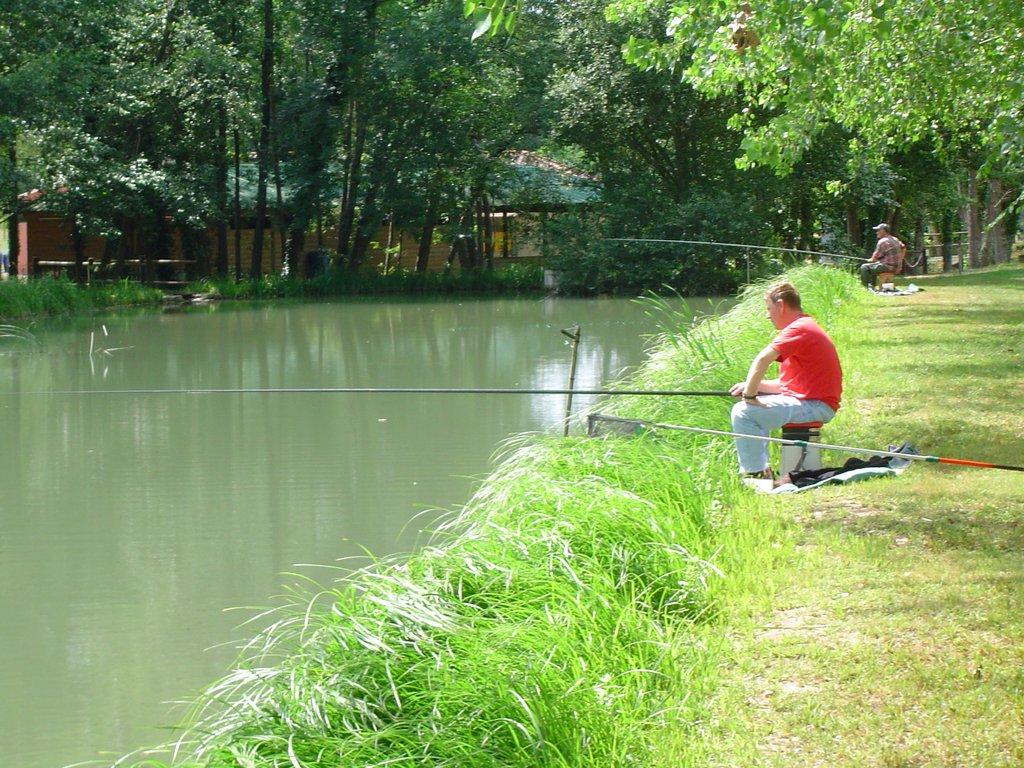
(808, 363)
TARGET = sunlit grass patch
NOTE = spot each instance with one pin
(895, 637)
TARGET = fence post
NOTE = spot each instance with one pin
(574, 339)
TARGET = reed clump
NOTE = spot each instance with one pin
(510, 279)
(552, 622)
(50, 296)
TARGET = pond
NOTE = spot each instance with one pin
(130, 522)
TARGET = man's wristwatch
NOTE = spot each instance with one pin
(749, 397)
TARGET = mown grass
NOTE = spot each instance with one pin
(571, 615)
(895, 635)
(47, 296)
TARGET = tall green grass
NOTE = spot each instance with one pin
(552, 622)
(47, 296)
(513, 278)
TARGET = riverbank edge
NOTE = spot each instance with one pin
(22, 300)
(556, 619)
(28, 300)
(889, 630)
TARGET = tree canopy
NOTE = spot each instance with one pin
(142, 120)
(895, 72)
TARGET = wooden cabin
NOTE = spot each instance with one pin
(538, 190)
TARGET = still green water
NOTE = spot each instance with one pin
(129, 523)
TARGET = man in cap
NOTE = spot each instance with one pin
(888, 256)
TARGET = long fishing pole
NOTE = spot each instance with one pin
(385, 391)
(733, 245)
(806, 443)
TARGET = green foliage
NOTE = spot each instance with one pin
(579, 248)
(947, 73)
(511, 279)
(60, 296)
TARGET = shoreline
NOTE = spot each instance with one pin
(563, 617)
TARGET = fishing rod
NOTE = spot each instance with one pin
(734, 245)
(386, 391)
(806, 443)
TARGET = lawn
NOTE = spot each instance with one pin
(890, 629)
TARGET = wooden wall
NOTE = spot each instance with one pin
(47, 238)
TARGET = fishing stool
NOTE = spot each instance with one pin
(887, 281)
(797, 457)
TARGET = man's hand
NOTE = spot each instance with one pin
(737, 390)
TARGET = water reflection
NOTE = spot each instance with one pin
(130, 522)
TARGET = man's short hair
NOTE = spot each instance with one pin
(784, 292)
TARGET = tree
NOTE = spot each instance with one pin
(947, 73)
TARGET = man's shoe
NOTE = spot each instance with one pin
(762, 481)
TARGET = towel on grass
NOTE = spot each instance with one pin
(853, 470)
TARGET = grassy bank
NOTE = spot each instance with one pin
(46, 297)
(890, 631)
(512, 279)
(571, 615)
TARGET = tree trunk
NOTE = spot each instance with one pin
(972, 218)
(279, 222)
(173, 11)
(296, 247)
(12, 223)
(124, 245)
(263, 149)
(946, 228)
(346, 219)
(279, 215)
(919, 255)
(806, 222)
(853, 226)
(159, 245)
(488, 233)
(110, 248)
(366, 227)
(478, 224)
(995, 234)
(506, 244)
(388, 244)
(221, 268)
(427, 235)
(195, 247)
(78, 242)
(238, 206)
(346, 144)
(466, 239)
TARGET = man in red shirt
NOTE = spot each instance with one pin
(809, 386)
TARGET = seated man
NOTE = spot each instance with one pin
(888, 256)
(809, 386)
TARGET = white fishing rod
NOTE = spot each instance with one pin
(745, 246)
(807, 443)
